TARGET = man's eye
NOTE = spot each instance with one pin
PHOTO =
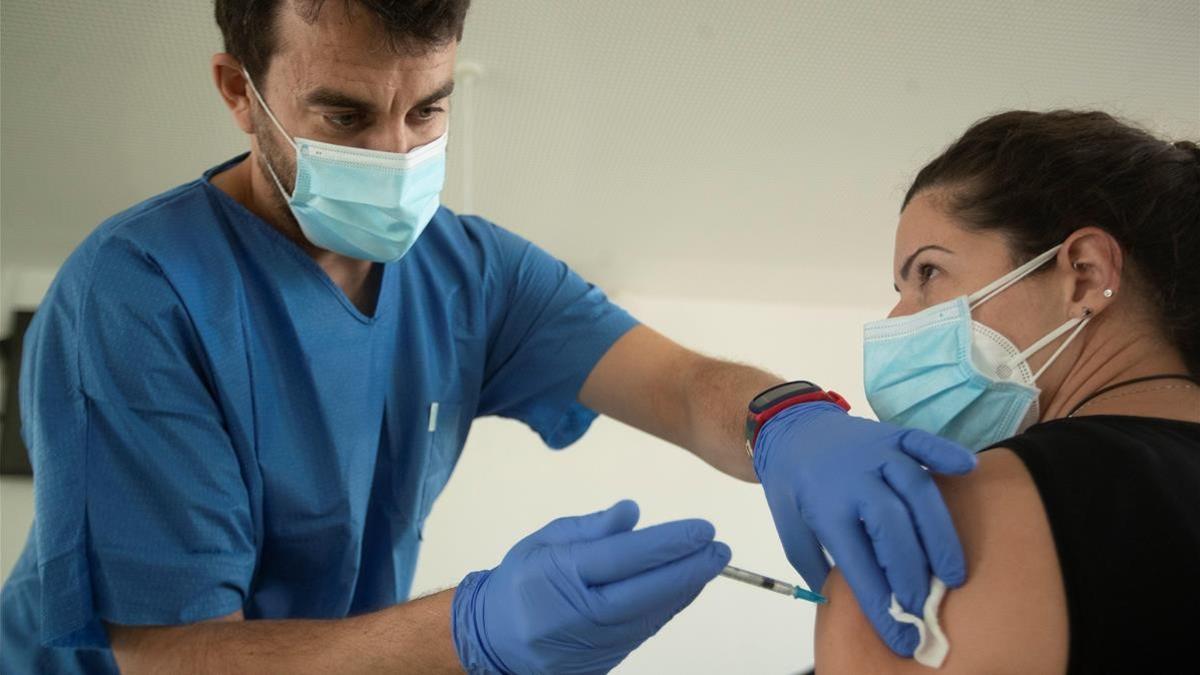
(343, 120)
(428, 113)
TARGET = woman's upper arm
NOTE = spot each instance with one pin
(1010, 616)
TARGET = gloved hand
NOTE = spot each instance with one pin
(861, 488)
(581, 593)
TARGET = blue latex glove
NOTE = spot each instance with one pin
(861, 488)
(581, 593)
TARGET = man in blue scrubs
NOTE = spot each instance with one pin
(242, 397)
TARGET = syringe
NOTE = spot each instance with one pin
(770, 584)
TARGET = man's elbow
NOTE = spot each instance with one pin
(160, 649)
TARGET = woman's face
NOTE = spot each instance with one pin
(937, 259)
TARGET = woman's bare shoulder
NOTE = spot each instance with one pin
(1010, 616)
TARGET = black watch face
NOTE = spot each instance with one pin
(784, 391)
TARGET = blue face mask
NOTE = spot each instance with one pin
(940, 371)
(364, 204)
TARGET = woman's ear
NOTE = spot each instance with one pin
(1093, 262)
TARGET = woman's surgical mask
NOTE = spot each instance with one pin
(940, 371)
(364, 204)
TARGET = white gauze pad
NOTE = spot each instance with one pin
(933, 647)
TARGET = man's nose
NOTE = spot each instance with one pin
(395, 140)
(899, 310)
(402, 138)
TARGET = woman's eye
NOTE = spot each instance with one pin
(925, 272)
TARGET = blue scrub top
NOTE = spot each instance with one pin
(214, 426)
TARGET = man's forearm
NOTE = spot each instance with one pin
(648, 381)
(412, 637)
(718, 393)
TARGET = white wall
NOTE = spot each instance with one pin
(685, 147)
(16, 514)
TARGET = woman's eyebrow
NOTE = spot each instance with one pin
(904, 269)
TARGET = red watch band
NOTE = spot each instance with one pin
(756, 421)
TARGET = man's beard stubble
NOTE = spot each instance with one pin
(273, 155)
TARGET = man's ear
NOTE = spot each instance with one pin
(1093, 262)
(234, 90)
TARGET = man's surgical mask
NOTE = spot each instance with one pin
(940, 371)
(364, 204)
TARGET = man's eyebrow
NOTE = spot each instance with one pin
(442, 92)
(330, 98)
(904, 269)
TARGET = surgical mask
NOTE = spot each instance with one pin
(940, 371)
(364, 204)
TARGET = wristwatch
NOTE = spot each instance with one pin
(781, 397)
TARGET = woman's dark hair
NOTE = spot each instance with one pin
(248, 26)
(1039, 176)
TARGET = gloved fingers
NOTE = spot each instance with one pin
(656, 595)
(799, 543)
(897, 547)
(620, 517)
(626, 554)
(855, 557)
(937, 453)
(932, 519)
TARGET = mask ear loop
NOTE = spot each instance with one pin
(1003, 283)
(271, 115)
(1077, 324)
(267, 109)
(1000, 285)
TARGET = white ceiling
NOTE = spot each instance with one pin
(691, 147)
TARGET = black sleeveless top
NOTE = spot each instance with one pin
(1122, 495)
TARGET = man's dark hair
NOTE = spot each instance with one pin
(248, 26)
(1036, 177)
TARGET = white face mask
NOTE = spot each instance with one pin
(940, 371)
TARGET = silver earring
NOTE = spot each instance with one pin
(1108, 293)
